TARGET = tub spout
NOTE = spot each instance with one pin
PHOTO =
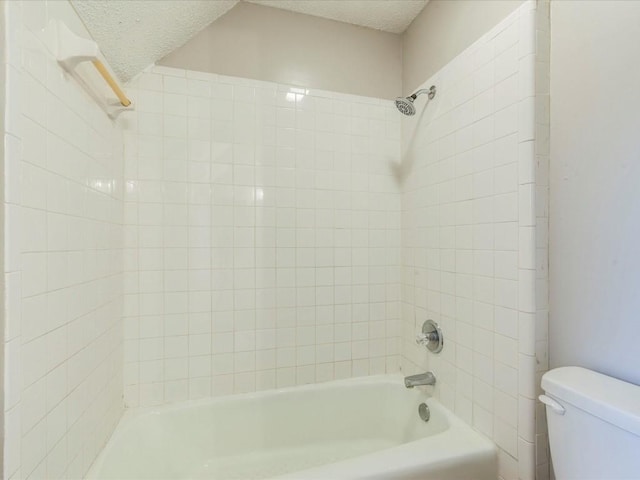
(427, 378)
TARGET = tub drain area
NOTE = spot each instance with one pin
(423, 411)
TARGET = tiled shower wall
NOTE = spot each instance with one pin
(541, 170)
(262, 227)
(62, 258)
(469, 233)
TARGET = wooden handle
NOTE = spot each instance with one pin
(112, 83)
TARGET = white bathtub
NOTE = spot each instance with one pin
(365, 428)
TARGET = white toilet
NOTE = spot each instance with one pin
(594, 425)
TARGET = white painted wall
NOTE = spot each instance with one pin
(595, 199)
(292, 48)
(62, 258)
(263, 237)
(265, 43)
(443, 30)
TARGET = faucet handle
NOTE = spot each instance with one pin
(431, 336)
(425, 338)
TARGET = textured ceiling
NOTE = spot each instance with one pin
(133, 34)
(389, 15)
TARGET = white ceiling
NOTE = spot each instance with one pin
(133, 34)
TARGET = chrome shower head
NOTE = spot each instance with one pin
(405, 104)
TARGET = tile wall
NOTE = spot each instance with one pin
(472, 212)
(63, 214)
(266, 236)
(541, 165)
(262, 231)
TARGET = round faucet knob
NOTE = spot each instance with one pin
(430, 337)
(424, 338)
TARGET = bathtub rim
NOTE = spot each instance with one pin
(457, 428)
(391, 378)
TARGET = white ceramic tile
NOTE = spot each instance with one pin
(274, 224)
(64, 290)
(304, 206)
(485, 239)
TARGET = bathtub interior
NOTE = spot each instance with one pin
(261, 436)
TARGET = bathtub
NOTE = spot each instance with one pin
(364, 428)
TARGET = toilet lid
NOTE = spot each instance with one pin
(608, 398)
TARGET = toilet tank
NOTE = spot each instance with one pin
(594, 425)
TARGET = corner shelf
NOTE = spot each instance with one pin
(71, 51)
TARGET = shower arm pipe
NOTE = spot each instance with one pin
(431, 91)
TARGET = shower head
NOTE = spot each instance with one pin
(405, 104)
